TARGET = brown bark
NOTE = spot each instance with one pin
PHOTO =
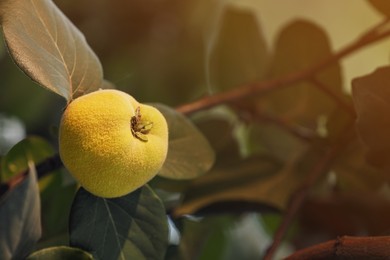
(347, 247)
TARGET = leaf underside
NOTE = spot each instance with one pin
(49, 48)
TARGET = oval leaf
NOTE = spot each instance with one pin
(189, 153)
(49, 48)
(60, 252)
(371, 96)
(20, 222)
(239, 56)
(33, 148)
(299, 45)
(134, 226)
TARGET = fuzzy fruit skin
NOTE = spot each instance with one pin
(97, 146)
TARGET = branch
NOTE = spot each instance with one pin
(347, 247)
(375, 34)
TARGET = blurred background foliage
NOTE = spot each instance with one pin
(174, 52)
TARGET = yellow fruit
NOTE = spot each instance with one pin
(111, 143)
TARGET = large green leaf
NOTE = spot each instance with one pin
(189, 153)
(257, 183)
(371, 95)
(300, 45)
(256, 180)
(60, 252)
(134, 226)
(240, 54)
(49, 48)
(20, 222)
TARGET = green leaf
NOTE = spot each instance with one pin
(33, 148)
(134, 226)
(255, 180)
(240, 55)
(383, 6)
(258, 183)
(56, 204)
(371, 96)
(204, 238)
(354, 173)
(20, 222)
(300, 45)
(275, 141)
(49, 48)
(189, 153)
(219, 126)
(60, 252)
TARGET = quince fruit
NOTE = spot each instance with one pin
(112, 144)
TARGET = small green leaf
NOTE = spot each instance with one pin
(49, 48)
(20, 222)
(189, 153)
(33, 149)
(134, 226)
(60, 252)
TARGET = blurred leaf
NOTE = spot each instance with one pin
(353, 173)
(300, 45)
(49, 48)
(24, 99)
(258, 180)
(340, 120)
(275, 140)
(60, 252)
(33, 149)
(371, 95)
(383, 6)
(240, 54)
(259, 183)
(189, 153)
(20, 222)
(204, 238)
(219, 128)
(134, 226)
